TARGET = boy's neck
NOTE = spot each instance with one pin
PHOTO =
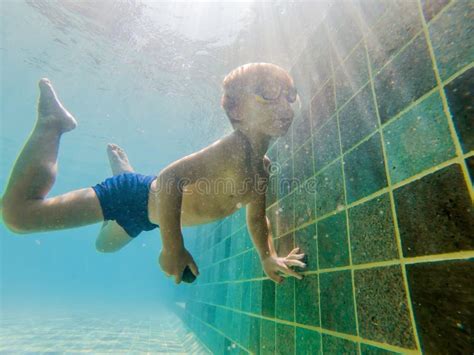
(258, 141)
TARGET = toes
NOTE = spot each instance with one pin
(44, 81)
(46, 87)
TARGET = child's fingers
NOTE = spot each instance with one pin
(288, 271)
(293, 251)
(295, 256)
(295, 263)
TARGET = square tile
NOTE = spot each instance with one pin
(256, 297)
(442, 295)
(418, 140)
(285, 215)
(235, 329)
(268, 298)
(372, 350)
(301, 129)
(244, 333)
(285, 178)
(304, 198)
(382, 309)
(329, 189)
(365, 169)
(285, 339)
(435, 214)
(247, 270)
(285, 299)
(372, 231)
(358, 118)
(254, 341)
(396, 27)
(333, 345)
(307, 301)
(246, 289)
(305, 239)
(323, 106)
(227, 244)
(267, 341)
(257, 270)
(351, 75)
(451, 37)
(460, 96)
(333, 250)
(303, 163)
(470, 167)
(337, 302)
(409, 76)
(326, 145)
(239, 262)
(432, 7)
(307, 342)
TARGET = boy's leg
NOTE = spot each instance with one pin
(25, 206)
(112, 236)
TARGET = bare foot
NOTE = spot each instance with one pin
(118, 159)
(51, 111)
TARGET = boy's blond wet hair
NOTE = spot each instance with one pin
(246, 79)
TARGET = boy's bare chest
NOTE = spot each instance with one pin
(229, 187)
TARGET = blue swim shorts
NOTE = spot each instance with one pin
(124, 199)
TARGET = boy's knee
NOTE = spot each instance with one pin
(14, 218)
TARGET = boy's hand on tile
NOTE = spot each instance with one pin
(273, 264)
(174, 262)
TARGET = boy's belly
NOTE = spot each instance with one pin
(199, 206)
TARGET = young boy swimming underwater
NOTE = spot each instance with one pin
(257, 99)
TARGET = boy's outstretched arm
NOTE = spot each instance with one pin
(174, 257)
(260, 230)
(171, 181)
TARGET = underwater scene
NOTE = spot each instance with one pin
(249, 177)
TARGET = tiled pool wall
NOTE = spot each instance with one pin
(383, 153)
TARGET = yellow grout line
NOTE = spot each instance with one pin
(394, 213)
(361, 201)
(321, 330)
(316, 241)
(402, 261)
(449, 118)
(388, 122)
(356, 320)
(294, 242)
(383, 190)
(364, 35)
(458, 73)
(366, 138)
(460, 255)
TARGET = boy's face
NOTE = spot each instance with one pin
(267, 107)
